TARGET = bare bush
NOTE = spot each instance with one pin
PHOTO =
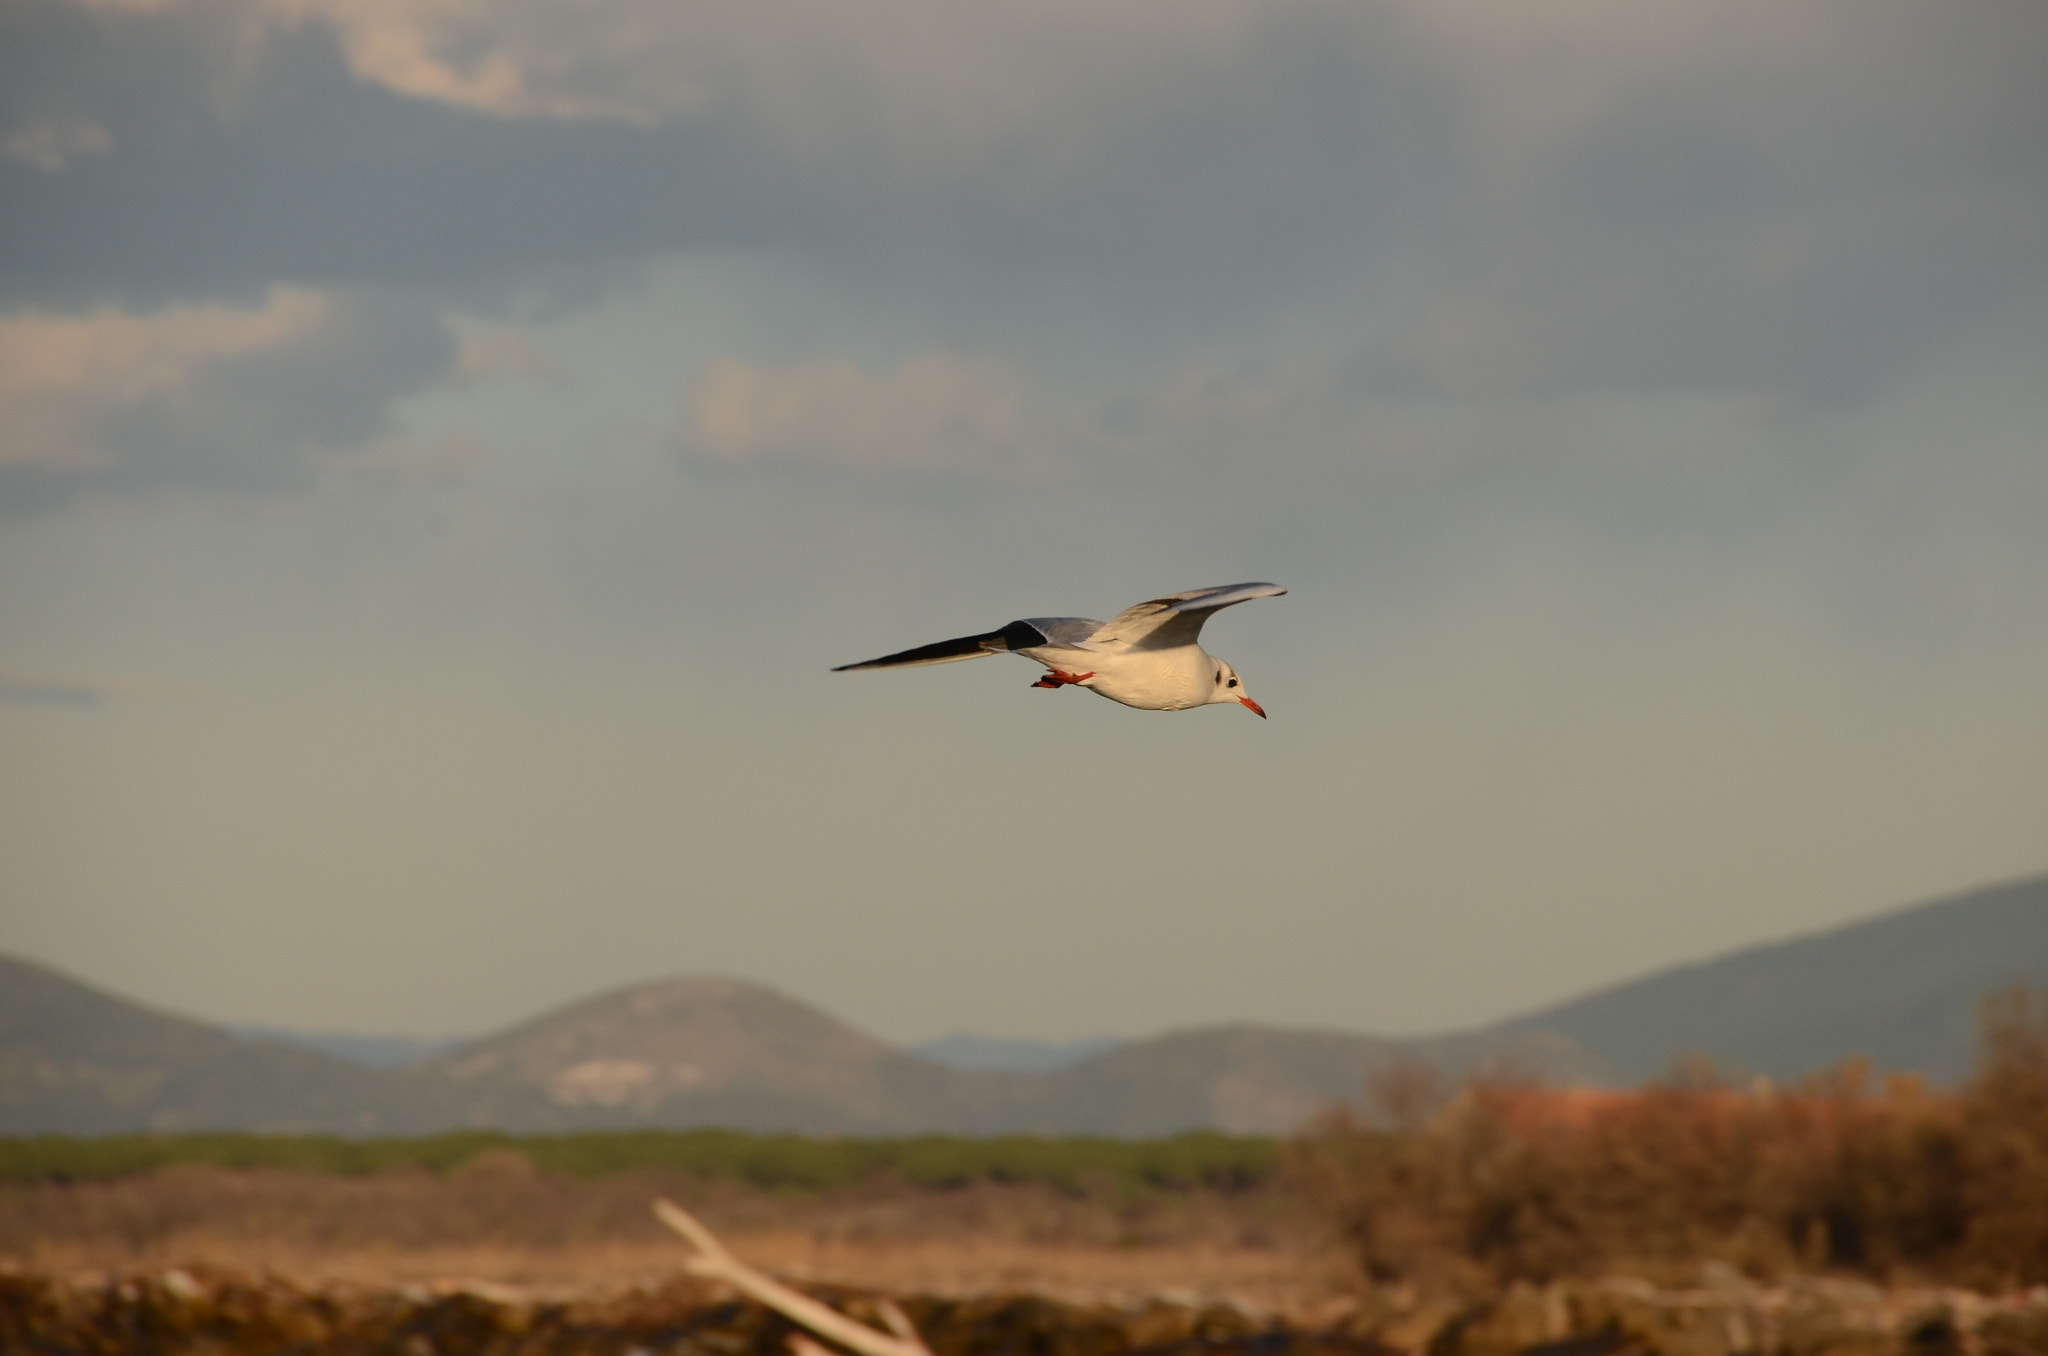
(1508, 1181)
(2005, 1122)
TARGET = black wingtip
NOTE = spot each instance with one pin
(939, 652)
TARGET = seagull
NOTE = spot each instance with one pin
(1145, 656)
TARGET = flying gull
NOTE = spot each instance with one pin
(1145, 656)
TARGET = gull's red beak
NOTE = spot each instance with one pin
(1257, 709)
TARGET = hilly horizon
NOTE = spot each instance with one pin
(712, 1050)
(695, 1050)
(681, 1053)
(75, 1060)
(1901, 989)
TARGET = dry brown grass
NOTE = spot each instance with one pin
(500, 1221)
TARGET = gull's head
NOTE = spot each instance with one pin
(1230, 688)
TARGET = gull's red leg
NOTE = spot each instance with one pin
(1061, 678)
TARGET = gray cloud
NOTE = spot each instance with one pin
(1787, 202)
(78, 692)
(1183, 173)
(1807, 203)
(283, 167)
(1755, 203)
(50, 692)
(208, 397)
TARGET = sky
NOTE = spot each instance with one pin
(444, 446)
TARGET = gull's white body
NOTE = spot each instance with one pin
(1151, 680)
(1147, 656)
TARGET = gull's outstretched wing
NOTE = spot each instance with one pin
(1176, 619)
(1018, 635)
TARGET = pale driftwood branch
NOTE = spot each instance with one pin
(713, 1262)
(898, 1321)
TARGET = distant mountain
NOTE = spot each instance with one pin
(74, 1060)
(378, 1052)
(1242, 1079)
(1001, 1054)
(706, 1051)
(682, 1052)
(1902, 989)
(697, 1051)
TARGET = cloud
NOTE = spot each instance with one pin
(1794, 201)
(50, 146)
(243, 154)
(202, 395)
(989, 416)
(531, 61)
(84, 691)
(59, 373)
(972, 78)
(937, 411)
(504, 352)
(1798, 203)
(57, 692)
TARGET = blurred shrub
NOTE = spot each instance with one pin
(1499, 1180)
(2005, 1135)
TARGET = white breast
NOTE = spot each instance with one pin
(1152, 680)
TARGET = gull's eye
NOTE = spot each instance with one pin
(1233, 682)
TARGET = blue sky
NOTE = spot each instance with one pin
(444, 447)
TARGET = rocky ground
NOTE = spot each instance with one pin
(177, 1312)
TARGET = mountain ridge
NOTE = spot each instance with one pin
(76, 1060)
(683, 1052)
(1902, 988)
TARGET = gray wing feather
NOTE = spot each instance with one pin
(1068, 633)
(1176, 619)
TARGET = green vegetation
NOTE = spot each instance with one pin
(777, 1162)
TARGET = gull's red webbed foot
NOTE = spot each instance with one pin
(1061, 678)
